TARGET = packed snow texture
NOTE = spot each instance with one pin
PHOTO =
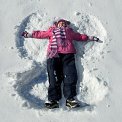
(31, 85)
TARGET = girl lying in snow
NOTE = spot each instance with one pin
(61, 61)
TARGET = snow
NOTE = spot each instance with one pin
(24, 82)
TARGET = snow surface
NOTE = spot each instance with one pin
(24, 82)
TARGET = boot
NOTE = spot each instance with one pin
(72, 103)
(52, 104)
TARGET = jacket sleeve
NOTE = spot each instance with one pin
(41, 34)
(79, 37)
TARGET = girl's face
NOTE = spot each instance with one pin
(61, 24)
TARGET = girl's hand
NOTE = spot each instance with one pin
(93, 38)
(26, 34)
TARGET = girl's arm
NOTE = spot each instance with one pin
(83, 37)
(79, 37)
(40, 34)
(37, 34)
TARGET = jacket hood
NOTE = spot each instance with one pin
(63, 20)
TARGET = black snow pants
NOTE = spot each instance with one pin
(62, 69)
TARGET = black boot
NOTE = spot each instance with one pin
(72, 103)
(52, 104)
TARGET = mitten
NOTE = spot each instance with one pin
(26, 34)
(93, 38)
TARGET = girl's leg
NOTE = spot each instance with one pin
(54, 70)
(70, 76)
